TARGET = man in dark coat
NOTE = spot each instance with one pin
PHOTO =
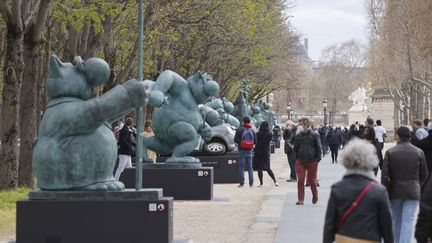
(404, 171)
(307, 147)
(126, 145)
(334, 140)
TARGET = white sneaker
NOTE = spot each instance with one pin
(276, 184)
(260, 186)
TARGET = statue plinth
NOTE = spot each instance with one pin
(128, 194)
(95, 216)
(181, 182)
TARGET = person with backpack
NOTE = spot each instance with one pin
(334, 140)
(358, 209)
(245, 138)
(261, 158)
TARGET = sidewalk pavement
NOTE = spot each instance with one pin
(281, 221)
(304, 224)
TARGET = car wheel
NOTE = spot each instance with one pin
(215, 147)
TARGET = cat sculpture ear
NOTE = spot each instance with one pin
(54, 67)
(95, 70)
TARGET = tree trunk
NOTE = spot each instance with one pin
(13, 71)
(28, 116)
(28, 113)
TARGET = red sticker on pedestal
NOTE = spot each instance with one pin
(206, 173)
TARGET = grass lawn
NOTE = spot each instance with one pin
(8, 209)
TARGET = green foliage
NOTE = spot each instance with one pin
(77, 13)
(8, 200)
(9, 197)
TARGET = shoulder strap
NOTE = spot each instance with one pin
(355, 203)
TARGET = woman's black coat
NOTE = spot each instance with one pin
(261, 159)
(370, 220)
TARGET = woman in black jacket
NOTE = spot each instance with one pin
(370, 218)
(261, 158)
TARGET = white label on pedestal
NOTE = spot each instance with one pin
(200, 173)
(152, 207)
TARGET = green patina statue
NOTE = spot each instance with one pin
(241, 107)
(223, 108)
(267, 115)
(76, 149)
(177, 122)
(257, 116)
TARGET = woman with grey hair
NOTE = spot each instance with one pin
(358, 209)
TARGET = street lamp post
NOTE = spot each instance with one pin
(325, 111)
(289, 110)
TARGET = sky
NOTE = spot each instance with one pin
(327, 22)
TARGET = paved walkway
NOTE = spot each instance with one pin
(280, 220)
(304, 224)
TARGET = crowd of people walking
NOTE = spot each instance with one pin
(360, 209)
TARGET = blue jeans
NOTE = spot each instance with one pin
(403, 212)
(245, 163)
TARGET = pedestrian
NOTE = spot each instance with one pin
(276, 136)
(358, 209)
(404, 171)
(427, 124)
(245, 138)
(323, 131)
(345, 135)
(380, 136)
(419, 130)
(425, 145)
(126, 144)
(369, 135)
(288, 136)
(148, 132)
(307, 148)
(334, 140)
(354, 132)
(423, 231)
(261, 157)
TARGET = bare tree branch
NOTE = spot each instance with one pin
(42, 15)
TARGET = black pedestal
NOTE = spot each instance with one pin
(94, 221)
(180, 183)
(226, 168)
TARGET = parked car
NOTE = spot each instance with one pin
(221, 142)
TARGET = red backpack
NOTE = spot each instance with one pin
(247, 141)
